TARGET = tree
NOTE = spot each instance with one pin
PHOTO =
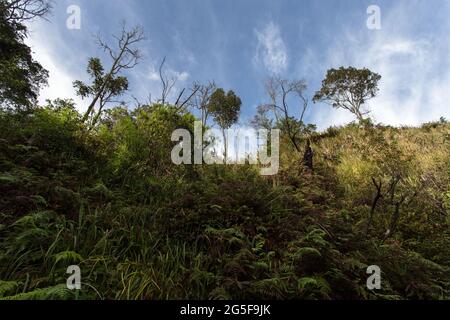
(348, 88)
(115, 86)
(21, 10)
(225, 109)
(201, 98)
(108, 85)
(261, 120)
(168, 84)
(21, 76)
(280, 90)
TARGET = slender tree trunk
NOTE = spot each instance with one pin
(308, 156)
(374, 204)
(359, 115)
(225, 144)
(203, 117)
(111, 72)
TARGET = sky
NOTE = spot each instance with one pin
(240, 43)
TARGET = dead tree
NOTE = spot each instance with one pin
(394, 218)
(167, 84)
(390, 196)
(308, 156)
(181, 104)
(396, 214)
(279, 91)
(124, 57)
(200, 100)
(22, 10)
(377, 197)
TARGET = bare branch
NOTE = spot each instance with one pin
(186, 101)
(279, 90)
(22, 10)
(123, 57)
(200, 97)
(377, 197)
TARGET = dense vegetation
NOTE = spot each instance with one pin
(139, 227)
(99, 190)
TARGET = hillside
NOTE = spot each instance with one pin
(109, 200)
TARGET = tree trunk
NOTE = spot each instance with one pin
(225, 142)
(308, 156)
(378, 196)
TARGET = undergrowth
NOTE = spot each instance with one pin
(110, 201)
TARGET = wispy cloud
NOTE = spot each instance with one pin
(271, 49)
(153, 74)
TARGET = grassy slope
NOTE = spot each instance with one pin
(140, 228)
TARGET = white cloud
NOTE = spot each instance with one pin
(60, 81)
(153, 74)
(182, 76)
(271, 49)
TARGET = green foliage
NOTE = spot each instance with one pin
(110, 200)
(107, 86)
(314, 288)
(21, 76)
(8, 287)
(348, 88)
(59, 292)
(224, 107)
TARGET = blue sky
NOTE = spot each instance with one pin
(241, 43)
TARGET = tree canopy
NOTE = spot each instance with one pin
(21, 76)
(349, 88)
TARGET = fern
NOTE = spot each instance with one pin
(8, 287)
(307, 252)
(273, 288)
(59, 292)
(316, 237)
(68, 257)
(220, 293)
(314, 288)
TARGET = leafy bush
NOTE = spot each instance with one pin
(110, 200)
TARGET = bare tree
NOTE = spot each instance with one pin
(378, 196)
(107, 85)
(402, 199)
(392, 198)
(200, 100)
(279, 90)
(21, 10)
(182, 104)
(167, 83)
